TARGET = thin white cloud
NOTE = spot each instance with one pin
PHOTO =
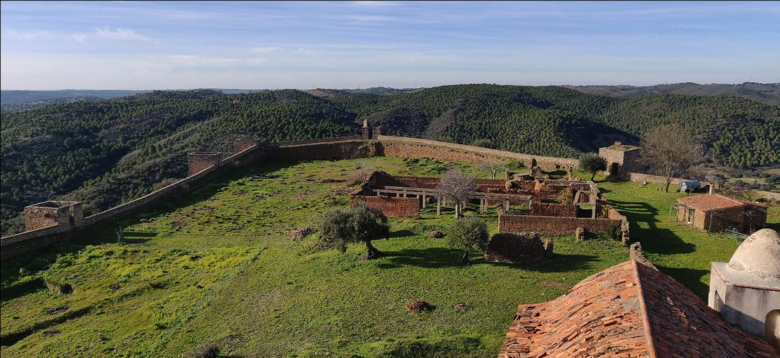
(26, 36)
(264, 49)
(120, 34)
(199, 61)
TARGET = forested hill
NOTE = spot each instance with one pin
(106, 152)
(557, 121)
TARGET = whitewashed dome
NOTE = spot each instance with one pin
(759, 254)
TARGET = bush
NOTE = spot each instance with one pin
(467, 234)
(360, 223)
(592, 163)
(612, 232)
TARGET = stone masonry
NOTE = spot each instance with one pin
(198, 162)
(65, 214)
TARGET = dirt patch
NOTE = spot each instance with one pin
(419, 306)
(115, 287)
(436, 234)
(560, 285)
(299, 234)
(240, 192)
(179, 224)
(195, 258)
(460, 306)
(51, 332)
(57, 310)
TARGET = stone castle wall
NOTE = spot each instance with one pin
(391, 207)
(552, 226)
(324, 150)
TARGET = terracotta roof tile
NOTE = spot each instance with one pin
(628, 310)
(708, 202)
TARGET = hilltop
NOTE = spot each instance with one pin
(768, 93)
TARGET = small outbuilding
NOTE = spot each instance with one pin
(716, 213)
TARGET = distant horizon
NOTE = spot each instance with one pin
(380, 86)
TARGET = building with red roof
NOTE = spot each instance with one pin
(716, 213)
(628, 310)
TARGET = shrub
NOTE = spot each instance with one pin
(467, 234)
(360, 223)
(592, 163)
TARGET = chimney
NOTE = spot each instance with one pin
(712, 188)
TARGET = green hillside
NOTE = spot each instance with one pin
(104, 153)
(107, 152)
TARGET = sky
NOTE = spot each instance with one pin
(268, 45)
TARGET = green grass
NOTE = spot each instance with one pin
(677, 249)
(217, 267)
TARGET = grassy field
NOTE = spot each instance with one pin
(217, 268)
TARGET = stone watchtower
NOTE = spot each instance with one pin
(369, 131)
(746, 290)
(621, 159)
(64, 214)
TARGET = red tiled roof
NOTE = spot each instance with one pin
(708, 202)
(628, 310)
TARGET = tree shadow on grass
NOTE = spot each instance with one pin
(439, 257)
(662, 241)
(637, 212)
(402, 233)
(690, 278)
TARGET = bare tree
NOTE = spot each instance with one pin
(491, 168)
(456, 186)
(669, 151)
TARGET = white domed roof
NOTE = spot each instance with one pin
(759, 254)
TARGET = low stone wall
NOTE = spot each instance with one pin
(317, 141)
(655, 179)
(515, 247)
(331, 150)
(559, 210)
(391, 207)
(552, 226)
(403, 147)
(27, 235)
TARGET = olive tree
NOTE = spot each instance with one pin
(458, 187)
(592, 163)
(670, 150)
(360, 223)
(468, 234)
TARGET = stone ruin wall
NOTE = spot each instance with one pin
(390, 206)
(559, 210)
(552, 226)
(515, 247)
(42, 217)
(324, 150)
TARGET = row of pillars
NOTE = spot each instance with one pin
(483, 203)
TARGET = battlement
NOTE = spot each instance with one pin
(63, 214)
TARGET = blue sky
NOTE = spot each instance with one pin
(254, 45)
